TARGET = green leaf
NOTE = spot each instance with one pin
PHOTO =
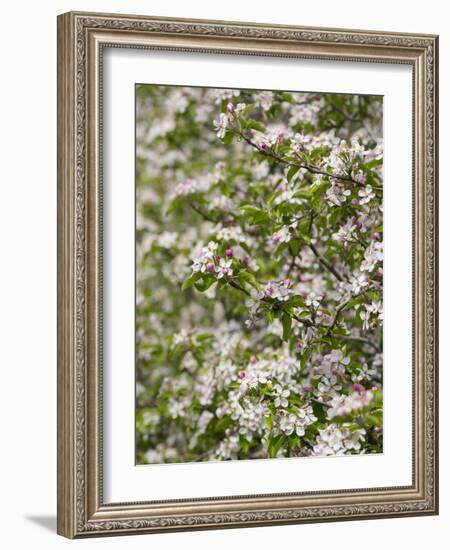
(255, 215)
(247, 277)
(303, 314)
(319, 411)
(177, 353)
(296, 301)
(255, 125)
(269, 315)
(280, 248)
(205, 283)
(272, 198)
(204, 336)
(227, 138)
(223, 424)
(302, 194)
(305, 358)
(375, 162)
(294, 246)
(275, 444)
(173, 205)
(191, 280)
(286, 321)
(291, 172)
(306, 238)
(286, 96)
(222, 283)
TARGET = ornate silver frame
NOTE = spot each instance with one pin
(81, 38)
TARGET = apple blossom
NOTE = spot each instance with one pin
(259, 274)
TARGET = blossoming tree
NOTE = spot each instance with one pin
(259, 274)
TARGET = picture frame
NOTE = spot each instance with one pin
(82, 41)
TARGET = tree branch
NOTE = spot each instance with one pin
(341, 308)
(202, 213)
(309, 167)
(238, 287)
(359, 339)
(305, 322)
(325, 263)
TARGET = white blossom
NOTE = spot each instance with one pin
(221, 124)
(334, 440)
(224, 268)
(204, 261)
(264, 100)
(366, 194)
(343, 405)
(281, 396)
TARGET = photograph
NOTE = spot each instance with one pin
(259, 274)
(225, 270)
(247, 274)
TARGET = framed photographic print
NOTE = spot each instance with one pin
(247, 282)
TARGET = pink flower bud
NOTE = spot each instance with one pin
(217, 258)
(230, 107)
(377, 429)
(319, 313)
(263, 146)
(253, 359)
(210, 267)
(357, 387)
(229, 253)
(249, 323)
(376, 236)
(355, 202)
(241, 374)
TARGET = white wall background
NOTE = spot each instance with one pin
(28, 272)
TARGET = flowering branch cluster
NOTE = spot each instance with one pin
(259, 274)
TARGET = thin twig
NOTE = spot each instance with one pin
(359, 339)
(342, 307)
(336, 315)
(305, 322)
(325, 263)
(238, 287)
(309, 167)
(202, 213)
